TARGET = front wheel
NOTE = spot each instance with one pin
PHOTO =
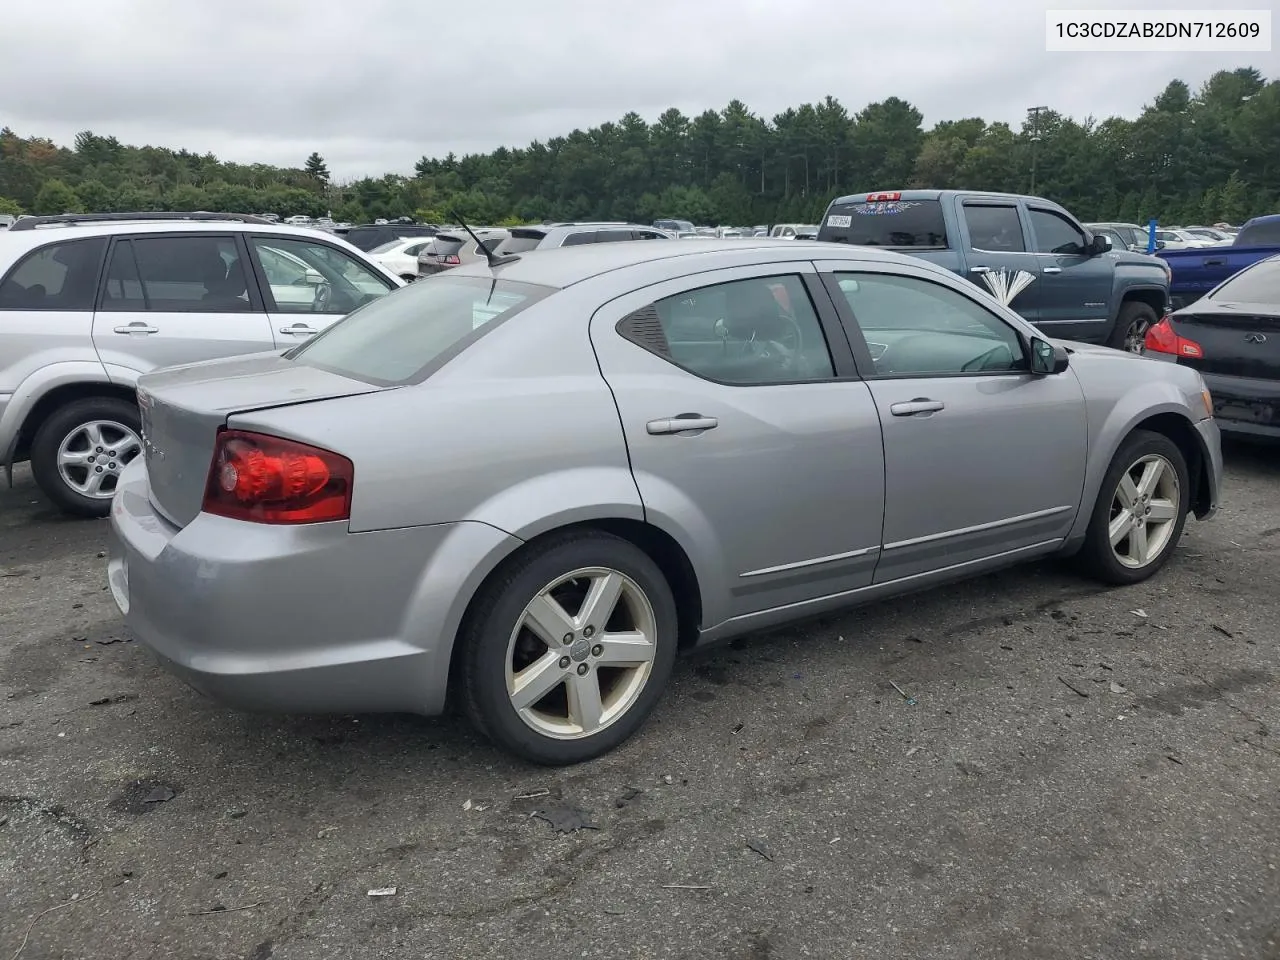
(568, 649)
(80, 451)
(1130, 333)
(1140, 511)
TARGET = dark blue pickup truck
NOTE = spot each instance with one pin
(1081, 289)
(1196, 272)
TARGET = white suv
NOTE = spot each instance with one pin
(89, 303)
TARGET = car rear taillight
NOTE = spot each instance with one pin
(1162, 338)
(451, 259)
(267, 479)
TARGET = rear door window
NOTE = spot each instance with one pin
(896, 223)
(308, 276)
(994, 227)
(401, 339)
(613, 236)
(191, 274)
(583, 236)
(60, 276)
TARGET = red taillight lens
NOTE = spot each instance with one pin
(450, 259)
(886, 196)
(1162, 338)
(272, 480)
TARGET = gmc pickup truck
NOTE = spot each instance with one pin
(1196, 272)
(1081, 289)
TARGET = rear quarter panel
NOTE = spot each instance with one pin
(520, 432)
(1121, 391)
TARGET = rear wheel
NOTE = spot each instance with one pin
(568, 650)
(80, 451)
(1130, 333)
(1140, 511)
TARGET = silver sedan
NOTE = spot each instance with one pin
(528, 486)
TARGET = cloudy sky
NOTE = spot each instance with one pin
(373, 85)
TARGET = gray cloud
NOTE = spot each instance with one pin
(374, 86)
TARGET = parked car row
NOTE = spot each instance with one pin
(88, 303)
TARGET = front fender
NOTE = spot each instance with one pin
(1141, 403)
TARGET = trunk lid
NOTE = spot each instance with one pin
(1238, 339)
(182, 409)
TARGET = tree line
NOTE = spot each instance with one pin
(1204, 157)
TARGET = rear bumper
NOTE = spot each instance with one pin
(308, 619)
(1245, 406)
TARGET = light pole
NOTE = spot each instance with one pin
(1035, 138)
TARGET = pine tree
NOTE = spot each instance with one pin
(316, 168)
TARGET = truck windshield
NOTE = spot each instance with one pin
(899, 223)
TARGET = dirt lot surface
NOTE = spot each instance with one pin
(1079, 773)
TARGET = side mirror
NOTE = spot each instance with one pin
(1159, 244)
(1099, 244)
(1046, 358)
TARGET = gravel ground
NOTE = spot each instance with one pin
(1073, 779)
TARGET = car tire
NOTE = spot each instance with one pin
(1131, 327)
(499, 649)
(1125, 562)
(69, 429)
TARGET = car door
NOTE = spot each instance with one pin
(995, 243)
(749, 431)
(982, 458)
(170, 299)
(308, 284)
(1077, 294)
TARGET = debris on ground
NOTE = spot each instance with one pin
(668, 779)
(1076, 690)
(533, 794)
(107, 641)
(383, 892)
(758, 848)
(913, 751)
(118, 698)
(1223, 630)
(160, 794)
(1118, 687)
(684, 886)
(1139, 613)
(905, 696)
(565, 817)
(219, 908)
(629, 795)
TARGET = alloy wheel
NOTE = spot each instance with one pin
(93, 455)
(1144, 511)
(581, 653)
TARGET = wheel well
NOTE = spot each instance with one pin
(1152, 298)
(1179, 429)
(59, 397)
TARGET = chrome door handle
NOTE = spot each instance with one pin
(680, 424)
(919, 405)
(137, 327)
(299, 328)
(979, 269)
(1052, 270)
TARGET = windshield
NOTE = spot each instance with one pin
(1258, 284)
(900, 223)
(399, 339)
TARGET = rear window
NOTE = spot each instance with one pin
(901, 223)
(1259, 284)
(521, 240)
(400, 339)
(1260, 234)
(443, 246)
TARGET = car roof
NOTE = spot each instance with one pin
(15, 242)
(565, 266)
(939, 194)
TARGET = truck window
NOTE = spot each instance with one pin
(1264, 234)
(897, 223)
(1056, 234)
(994, 227)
